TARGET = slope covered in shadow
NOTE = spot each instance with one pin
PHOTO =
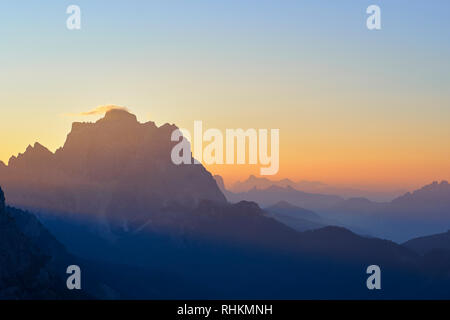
(28, 267)
(235, 251)
(33, 265)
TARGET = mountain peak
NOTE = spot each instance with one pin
(36, 153)
(37, 147)
(115, 163)
(118, 115)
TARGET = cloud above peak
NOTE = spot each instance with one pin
(100, 110)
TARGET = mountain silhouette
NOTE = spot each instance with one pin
(107, 168)
(427, 244)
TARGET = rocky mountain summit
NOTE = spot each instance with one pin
(116, 169)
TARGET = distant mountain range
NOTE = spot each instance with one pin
(274, 194)
(434, 199)
(422, 212)
(254, 182)
(141, 227)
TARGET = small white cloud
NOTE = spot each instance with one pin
(98, 110)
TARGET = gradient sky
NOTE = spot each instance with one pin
(353, 106)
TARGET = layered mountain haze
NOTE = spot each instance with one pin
(262, 183)
(284, 207)
(298, 218)
(274, 194)
(105, 168)
(430, 202)
(418, 213)
(421, 212)
(145, 228)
